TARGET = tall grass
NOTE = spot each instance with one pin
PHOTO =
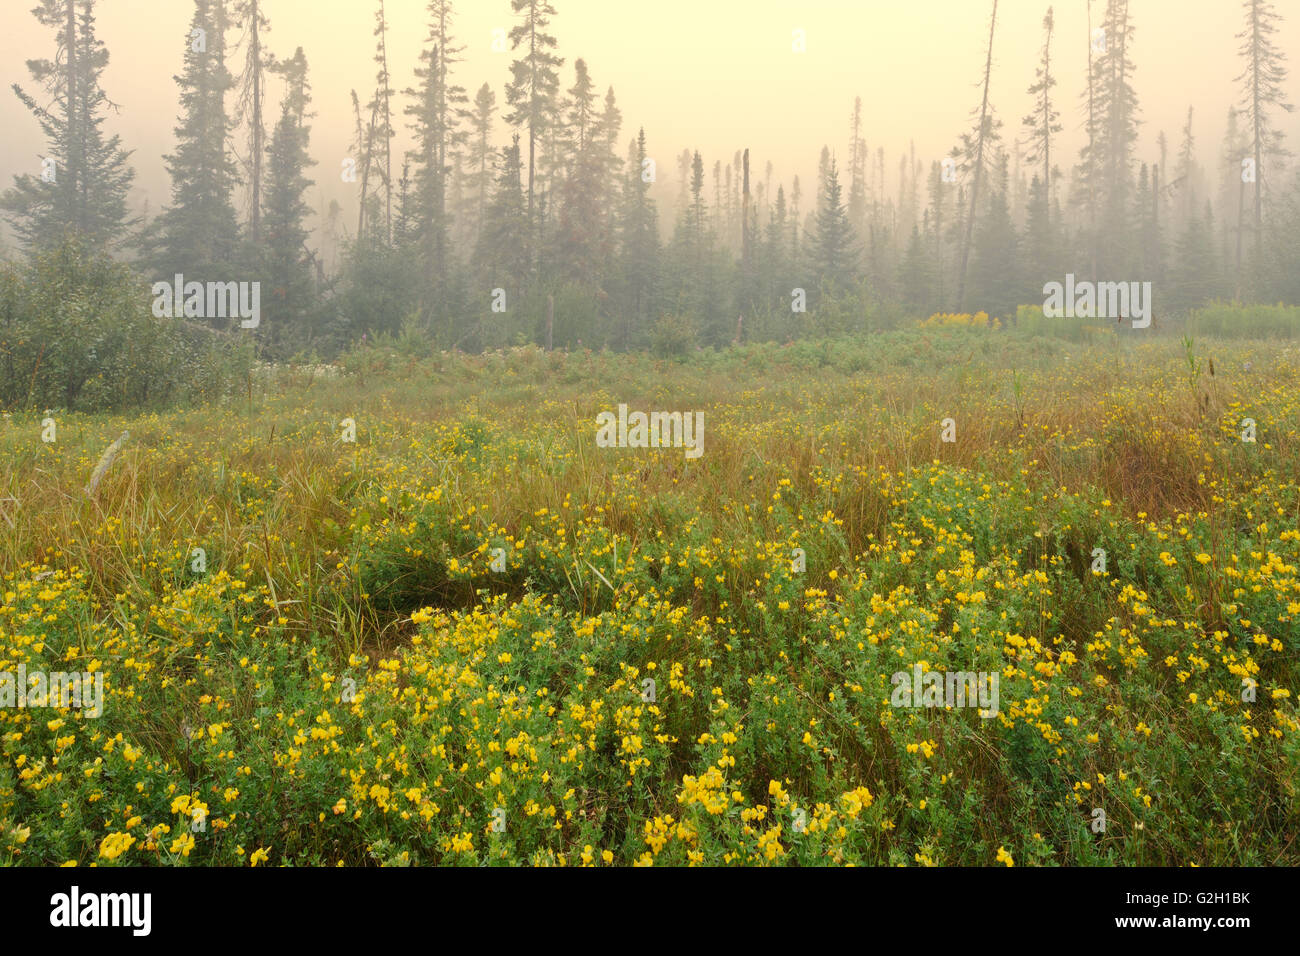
(329, 561)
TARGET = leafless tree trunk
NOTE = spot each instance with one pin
(979, 164)
(1092, 154)
(744, 217)
(388, 127)
(73, 163)
(258, 133)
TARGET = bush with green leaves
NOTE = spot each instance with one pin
(673, 337)
(1236, 320)
(77, 331)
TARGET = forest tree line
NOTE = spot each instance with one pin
(556, 240)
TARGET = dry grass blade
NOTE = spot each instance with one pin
(105, 462)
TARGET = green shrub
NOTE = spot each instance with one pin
(1235, 320)
(1031, 321)
(673, 337)
(77, 332)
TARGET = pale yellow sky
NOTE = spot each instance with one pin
(717, 75)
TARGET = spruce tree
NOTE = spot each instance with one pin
(1041, 246)
(857, 169)
(83, 187)
(974, 149)
(1284, 251)
(638, 250)
(937, 236)
(252, 97)
(431, 127)
(436, 113)
(501, 255)
(1043, 123)
(835, 252)
(578, 240)
(994, 280)
(916, 277)
(698, 287)
(1187, 173)
(1150, 247)
(198, 234)
(1232, 196)
(297, 89)
(480, 181)
(777, 264)
(288, 260)
(1262, 83)
(533, 91)
(1194, 278)
(1086, 182)
(609, 127)
(1118, 108)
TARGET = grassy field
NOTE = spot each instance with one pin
(341, 676)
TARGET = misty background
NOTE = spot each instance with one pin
(471, 176)
(716, 76)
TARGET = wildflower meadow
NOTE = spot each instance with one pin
(410, 612)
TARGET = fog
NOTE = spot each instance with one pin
(717, 76)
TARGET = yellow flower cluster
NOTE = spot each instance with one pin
(681, 663)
